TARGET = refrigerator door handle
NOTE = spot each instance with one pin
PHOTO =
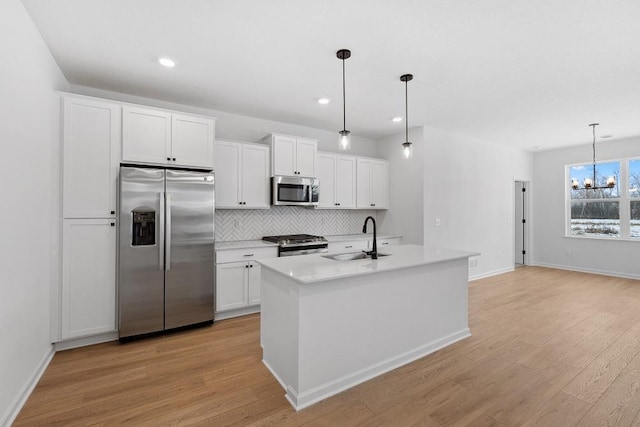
(167, 240)
(161, 232)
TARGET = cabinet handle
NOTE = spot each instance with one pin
(248, 255)
(250, 265)
(113, 224)
(246, 266)
(168, 159)
(174, 159)
(348, 246)
(113, 212)
(384, 243)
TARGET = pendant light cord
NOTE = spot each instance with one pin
(593, 126)
(406, 110)
(344, 102)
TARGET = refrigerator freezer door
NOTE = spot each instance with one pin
(141, 251)
(189, 263)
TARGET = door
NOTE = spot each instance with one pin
(345, 182)
(192, 141)
(228, 174)
(326, 175)
(231, 284)
(379, 185)
(254, 283)
(189, 248)
(520, 222)
(146, 135)
(363, 183)
(91, 157)
(306, 153)
(141, 251)
(284, 156)
(88, 277)
(255, 176)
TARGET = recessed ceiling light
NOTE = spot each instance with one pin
(323, 101)
(397, 119)
(169, 63)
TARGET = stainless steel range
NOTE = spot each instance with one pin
(299, 244)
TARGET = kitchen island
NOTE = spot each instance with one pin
(328, 325)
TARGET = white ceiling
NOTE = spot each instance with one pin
(521, 72)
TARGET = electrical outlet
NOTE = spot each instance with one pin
(473, 262)
(437, 222)
(235, 223)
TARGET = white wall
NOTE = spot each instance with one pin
(30, 196)
(552, 248)
(244, 128)
(406, 179)
(468, 185)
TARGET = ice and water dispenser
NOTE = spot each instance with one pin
(144, 228)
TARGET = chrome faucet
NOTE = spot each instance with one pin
(374, 252)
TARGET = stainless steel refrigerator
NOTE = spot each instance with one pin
(166, 249)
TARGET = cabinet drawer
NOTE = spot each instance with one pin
(348, 246)
(236, 255)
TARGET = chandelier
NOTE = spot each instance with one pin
(591, 183)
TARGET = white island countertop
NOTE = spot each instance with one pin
(316, 268)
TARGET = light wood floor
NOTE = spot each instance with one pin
(549, 347)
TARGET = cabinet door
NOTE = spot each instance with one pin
(363, 184)
(91, 138)
(255, 176)
(192, 140)
(284, 155)
(88, 277)
(326, 175)
(254, 283)
(228, 174)
(231, 285)
(306, 157)
(146, 135)
(379, 184)
(345, 182)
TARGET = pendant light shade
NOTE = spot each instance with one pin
(407, 147)
(344, 142)
(590, 183)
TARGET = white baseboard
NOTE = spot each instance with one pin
(236, 313)
(84, 341)
(308, 398)
(491, 273)
(589, 270)
(14, 409)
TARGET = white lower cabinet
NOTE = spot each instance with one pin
(238, 280)
(88, 277)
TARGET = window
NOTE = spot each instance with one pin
(608, 213)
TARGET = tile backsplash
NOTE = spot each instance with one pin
(253, 224)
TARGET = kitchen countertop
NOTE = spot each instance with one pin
(244, 244)
(247, 244)
(360, 236)
(315, 268)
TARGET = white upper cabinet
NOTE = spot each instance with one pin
(91, 154)
(192, 140)
(372, 184)
(293, 156)
(146, 135)
(156, 136)
(327, 177)
(337, 175)
(242, 175)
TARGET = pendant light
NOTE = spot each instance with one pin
(407, 147)
(591, 183)
(344, 143)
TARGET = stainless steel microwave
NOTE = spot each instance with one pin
(294, 191)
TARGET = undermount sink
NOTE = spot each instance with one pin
(350, 256)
